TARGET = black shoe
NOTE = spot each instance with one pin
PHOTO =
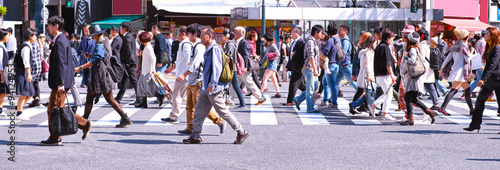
(49, 142)
(34, 103)
(241, 138)
(249, 94)
(352, 110)
(96, 99)
(86, 129)
(185, 132)
(45, 104)
(340, 94)
(277, 95)
(470, 129)
(124, 122)
(192, 140)
(362, 108)
(434, 108)
(161, 99)
(141, 103)
(407, 123)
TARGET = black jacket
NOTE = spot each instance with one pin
(62, 67)
(244, 50)
(128, 52)
(116, 46)
(491, 72)
(298, 56)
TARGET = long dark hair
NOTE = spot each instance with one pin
(492, 42)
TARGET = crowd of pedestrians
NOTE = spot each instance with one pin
(380, 65)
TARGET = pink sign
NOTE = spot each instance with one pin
(460, 8)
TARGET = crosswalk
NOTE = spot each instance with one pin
(265, 114)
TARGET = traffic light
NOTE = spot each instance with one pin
(414, 6)
(69, 4)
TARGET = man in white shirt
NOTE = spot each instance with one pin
(181, 65)
(11, 44)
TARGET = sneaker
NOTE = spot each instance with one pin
(407, 123)
(222, 126)
(192, 140)
(123, 123)
(323, 104)
(49, 142)
(387, 117)
(185, 132)
(276, 96)
(240, 138)
(168, 120)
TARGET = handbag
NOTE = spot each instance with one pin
(416, 69)
(254, 65)
(63, 120)
(477, 61)
(370, 97)
(45, 67)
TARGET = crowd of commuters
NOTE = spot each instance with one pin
(380, 66)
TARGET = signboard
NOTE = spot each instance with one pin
(127, 7)
(498, 14)
(82, 15)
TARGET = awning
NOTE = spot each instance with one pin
(117, 20)
(469, 25)
(213, 7)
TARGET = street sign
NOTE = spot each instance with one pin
(45, 2)
(45, 13)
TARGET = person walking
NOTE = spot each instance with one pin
(100, 80)
(128, 57)
(36, 72)
(4, 62)
(295, 65)
(490, 79)
(460, 70)
(311, 71)
(345, 67)
(366, 73)
(428, 77)
(146, 87)
(86, 46)
(23, 63)
(211, 93)
(194, 74)
(231, 50)
(61, 78)
(414, 85)
(163, 58)
(11, 44)
(330, 52)
(272, 53)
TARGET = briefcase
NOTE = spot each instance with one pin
(63, 120)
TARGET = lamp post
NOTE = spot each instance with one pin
(263, 25)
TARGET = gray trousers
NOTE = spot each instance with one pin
(203, 107)
(76, 95)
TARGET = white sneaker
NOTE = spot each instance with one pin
(387, 117)
(3, 116)
(324, 104)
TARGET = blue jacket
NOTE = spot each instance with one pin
(346, 46)
(331, 50)
(213, 69)
(87, 45)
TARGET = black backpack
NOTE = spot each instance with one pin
(116, 69)
(436, 59)
(18, 59)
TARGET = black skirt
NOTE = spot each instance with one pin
(23, 87)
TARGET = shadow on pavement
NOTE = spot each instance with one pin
(493, 160)
(5, 142)
(140, 141)
(424, 132)
(146, 134)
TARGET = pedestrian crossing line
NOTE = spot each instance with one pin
(364, 119)
(43, 96)
(27, 114)
(163, 113)
(80, 111)
(455, 117)
(113, 118)
(263, 114)
(310, 118)
(486, 112)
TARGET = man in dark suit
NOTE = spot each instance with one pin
(244, 50)
(61, 78)
(116, 44)
(297, 80)
(128, 57)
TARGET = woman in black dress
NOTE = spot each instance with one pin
(22, 62)
(100, 79)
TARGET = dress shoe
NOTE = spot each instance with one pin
(142, 102)
(50, 142)
(124, 122)
(222, 126)
(432, 114)
(340, 94)
(249, 94)
(444, 112)
(352, 110)
(161, 99)
(86, 129)
(277, 95)
(240, 138)
(34, 103)
(192, 140)
(288, 104)
(260, 102)
(498, 114)
(185, 132)
(45, 104)
(470, 129)
(407, 123)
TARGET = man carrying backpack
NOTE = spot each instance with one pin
(345, 66)
(436, 59)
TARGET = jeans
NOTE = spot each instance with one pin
(360, 101)
(326, 89)
(237, 90)
(345, 71)
(432, 91)
(473, 85)
(311, 87)
(161, 70)
(440, 86)
(331, 79)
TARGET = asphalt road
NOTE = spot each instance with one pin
(281, 137)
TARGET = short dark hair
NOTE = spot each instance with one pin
(182, 29)
(194, 28)
(56, 20)
(126, 26)
(9, 30)
(228, 33)
(424, 34)
(155, 26)
(145, 37)
(3, 33)
(251, 34)
(268, 37)
(368, 43)
(476, 36)
(315, 29)
(29, 33)
(346, 28)
(416, 24)
(378, 30)
(114, 28)
(387, 33)
(287, 36)
(332, 29)
(298, 29)
(209, 31)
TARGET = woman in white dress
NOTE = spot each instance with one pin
(146, 87)
(460, 70)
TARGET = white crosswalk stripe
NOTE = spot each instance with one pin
(363, 119)
(310, 118)
(113, 118)
(455, 117)
(163, 113)
(263, 114)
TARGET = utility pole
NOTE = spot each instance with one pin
(424, 11)
(263, 25)
(59, 8)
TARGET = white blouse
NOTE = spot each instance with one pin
(26, 55)
(148, 60)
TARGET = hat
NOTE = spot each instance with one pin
(408, 29)
(461, 34)
(435, 39)
(95, 30)
(413, 37)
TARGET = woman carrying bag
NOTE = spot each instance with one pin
(490, 80)
(146, 86)
(414, 85)
(272, 64)
(460, 70)
(366, 73)
(100, 80)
